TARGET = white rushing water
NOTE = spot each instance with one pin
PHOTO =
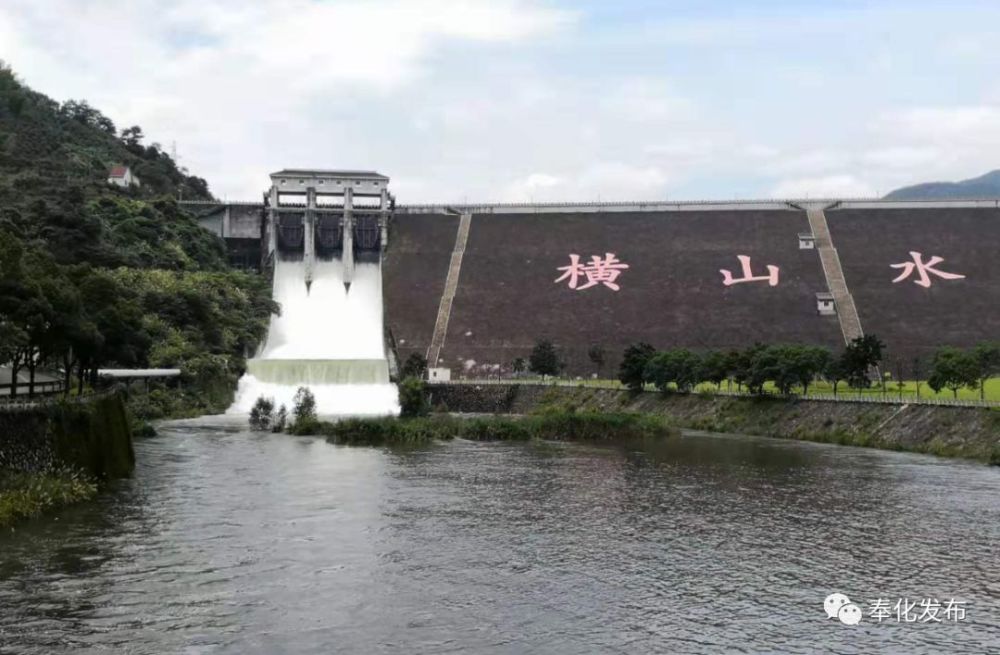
(326, 338)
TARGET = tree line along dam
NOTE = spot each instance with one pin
(474, 287)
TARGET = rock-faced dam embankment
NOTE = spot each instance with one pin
(919, 275)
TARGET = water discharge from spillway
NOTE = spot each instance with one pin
(329, 338)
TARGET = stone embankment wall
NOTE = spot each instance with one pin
(91, 435)
(950, 431)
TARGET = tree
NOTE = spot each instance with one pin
(714, 368)
(280, 419)
(953, 369)
(304, 410)
(738, 364)
(860, 357)
(544, 360)
(808, 362)
(413, 398)
(415, 366)
(764, 366)
(132, 136)
(835, 372)
(518, 366)
(679, 367)
(917, 368)
(899, 371)
(261, 414)
(987, 356)
(633, 366)
(596, 356)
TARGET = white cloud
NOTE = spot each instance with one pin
(489, 100)
(949, 125)
(604, 181)
(830, 186)
(253, 85)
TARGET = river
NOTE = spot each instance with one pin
(226, 541)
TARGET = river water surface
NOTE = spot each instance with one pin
(226, 541)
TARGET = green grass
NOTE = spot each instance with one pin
(551, 425)
(909, 391)
(26, 495)
(992, 391)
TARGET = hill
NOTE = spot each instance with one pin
(54, 164)
(95, 276)
(985, 187)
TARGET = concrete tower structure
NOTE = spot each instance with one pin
(332, 212)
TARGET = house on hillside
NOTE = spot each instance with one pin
(122, 176)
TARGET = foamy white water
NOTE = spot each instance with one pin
(327, 338)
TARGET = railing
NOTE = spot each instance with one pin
(432, 207)
(887, 398)
(41, 387)
(19, 404)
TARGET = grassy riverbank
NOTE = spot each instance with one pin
(907, 391)
(972, 433)
(560, 425)
(26, 495)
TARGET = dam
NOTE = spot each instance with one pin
(326, 263)
(472, 287)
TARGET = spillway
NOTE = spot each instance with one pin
(329, 338)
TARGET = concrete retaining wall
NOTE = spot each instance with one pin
(91, 435)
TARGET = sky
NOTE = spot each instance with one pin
(524, 100)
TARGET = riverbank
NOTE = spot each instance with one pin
(27, 495)
(966, 432)
(58, 452)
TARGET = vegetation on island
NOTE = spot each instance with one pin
(96, 276)
(552, 425)
(416, 426)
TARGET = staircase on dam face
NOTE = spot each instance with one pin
(450, 287)
(847, 313)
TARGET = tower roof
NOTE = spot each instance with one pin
(318, 172)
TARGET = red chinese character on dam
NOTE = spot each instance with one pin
(599, 271)
(923, 268)
(728, 280)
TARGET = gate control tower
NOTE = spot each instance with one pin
(328, 213)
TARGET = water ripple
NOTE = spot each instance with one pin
(230, 542)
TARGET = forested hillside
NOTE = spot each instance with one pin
(95, 276)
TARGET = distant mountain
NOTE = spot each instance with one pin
(985, 187)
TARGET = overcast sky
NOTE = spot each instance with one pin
(509, 100)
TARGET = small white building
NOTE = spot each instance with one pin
(825, 304)
(807, 241)
(122, 176)
(442, 374)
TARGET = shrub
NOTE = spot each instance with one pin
(24, 495)
(381, 431)
(555, 425)
(280, 419)
(304, 412)
(415, 366)
(413, 398)
(262, 414)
